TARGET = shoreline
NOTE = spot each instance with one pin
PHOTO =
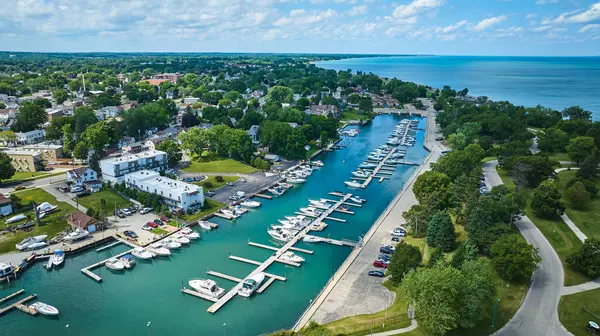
(334, 282)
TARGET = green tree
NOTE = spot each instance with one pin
(432, 188)
(514, 259)
(30, 117)
(365, 105)
(586, 259)
(96, 136)
(68, 138)
(577, 195)
(436, 257)
(546, 200)
(60, 95)
(280, 94)
(193, 140)
(417, 218)
(467, 251)
(530, 171)
(580, 148)
(440, 232)
(81, 150)
(457, 162)
(6, 168)
(83, 117)
(173, 151)
(457, 140)
(576, 112)
(589, 167)
(354, 98)
(553, 140)
(405, 258)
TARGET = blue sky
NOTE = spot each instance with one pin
(445, 27)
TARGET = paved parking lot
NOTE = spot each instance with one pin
(255, 182)
(135, 223)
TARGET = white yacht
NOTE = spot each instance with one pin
(76, 235)
(207, 287)
(180, 238)
(58, 258)
(311, 211)
(231, 213)
(27, 242)
(250, 204)
(203, 224)
(36, 246)
(251, 284)
(44, 309)
(312, 239)
(291, 256)
(357, 199)
(190, 234)
(296, 180)
(159, 250)
(360, 173)
(375, 157)
(142, 254)
(320, 204)
(114, 264)
(6, 269)
(353, 184)
(317, 163)
(281, 235)
(276, 191)
(367, 165)
(127, 260)
(171, 245)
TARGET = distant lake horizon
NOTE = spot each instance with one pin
(554, 82)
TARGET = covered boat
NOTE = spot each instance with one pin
(58, 258)
(251, 284)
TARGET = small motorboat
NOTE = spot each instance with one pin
(203, 224)
(36, 246)
(45, 208)
(285, 185)
(281, 235)
(190, 234)
(353, 184)
(276, 191)
(180, 238)
(357, 199)
(142, 254)
(311, 239)
(317, 163)
(360, 173)
(251, 284)
(311, 211)
(319, 203)
(171, 245)
(160, 251)
(44, 308)
(232, 214)
(207, 287)
(16, 218)
(127, 260)
(375, 158)
(27, 242)
(367, 165)
(392, 162)
(291, 256)
(76, 235)
(250, 204)
(114, 264)
(58, 258)
(295, 180)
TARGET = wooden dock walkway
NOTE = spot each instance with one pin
(198, 294)
(335, 193)
(88, 270)
(25, 309)
(377, 169)
(328, 218)
(20, 302)
(233, 292)
(224, 276)
(8, 297)
(273, 248)
(265, 285)
(344, 211)
(248, 261)
(109, 246)
(264, 196)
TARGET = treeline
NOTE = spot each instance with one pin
(221, 140)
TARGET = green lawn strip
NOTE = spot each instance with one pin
(52, 224)
(353, 115)
(488, 159)
(21, 176)
(559, 156)
(586, 219)
(575, 310)
(158, 231)
(210, 206)
(112, 199)
(217, 165)
(214, 183)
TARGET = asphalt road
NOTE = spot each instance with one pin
(30, 184)
(538, 315)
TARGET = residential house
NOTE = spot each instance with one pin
(176, 194)
(79, 220)
(107, 112)
(26, 161)
(324, 110)
(5, 206)
(114, 169)
(253, 132)
(55, 113)
(6, 114)
(50, 152)
(126, 140)
(30, 137)
(135, 147)
(385, 100)
(79, 176)
(272, 157)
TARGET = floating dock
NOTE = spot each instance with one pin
(19, 305)
(328, 218)
(88, 270)
(273, 248)
(377, 169)
(17, 293)
(103, 248)
(224, 276)
(264, 196)
(198, 294)
(265, 285)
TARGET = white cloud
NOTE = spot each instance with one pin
(416, 7)
(358, 10)
(489, 22)
(306, 18)
(545, 2)
(589, 15)
(451, 28)
(297, 12)
(352, 2)
(590, 27)
(541, 28)
(531, 16)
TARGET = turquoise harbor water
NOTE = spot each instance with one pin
(555, 82)
(124, 303)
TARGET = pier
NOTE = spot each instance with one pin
(17, 293)
(88, 270)
(379, 167)
(273, 248)
(19, 305)
(198, 294)
(103, 248)
(328, 218)
(266, 284)
(264, 196)
(274, 258)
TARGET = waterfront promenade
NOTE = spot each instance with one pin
(351, 291)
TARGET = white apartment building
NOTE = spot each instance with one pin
(114, 169)
(30, 137)
(175, 194)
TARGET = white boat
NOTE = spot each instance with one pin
(392, 162)
(353, 184)
(27, 242)
(357, 199)
(367, 165)
(232, 214)
(171, 245)
(114, 264)
(250, 204)
(291, 256)
(319, 203)
(317, 163)
(251, 284)
(375, 157)
(180, 238)
(76, 235)
(280, 235)
(296, 180)
(360, 173)
(127, 260)
(58, 258)
(46, 207)
(276, 191)
(36, 246)
(203, 224)
(142, 254)
(285, 185)
(44, 308)
(311, 239)
(207, 287)
(191, 234)
(16, 218)
(160, 251)
(311, 211)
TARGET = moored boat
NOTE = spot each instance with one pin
(353, 184)
(58, 258)
(44, 308)
(160, 251)
(114, 264)
(296, 180)
(142, 254)
(203, 224)
(281, 235)
(357, 199)
(127, 260)
(291, 256)
(207, 287)
(251, 284)
(191, 234)
(360, 173)
(250, 204)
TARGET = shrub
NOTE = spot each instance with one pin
(219, 178)
(586, 259)
(577, 195)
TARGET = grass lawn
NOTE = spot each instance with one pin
(586, 219)
(210, 207)
(52, 224)
(353, 115)
(561, 156)
(111, 198)
(31, 176)
(574, 311)
(218, 165)
(158, 231)
(215, 183)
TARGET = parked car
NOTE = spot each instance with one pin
(165, 219)
(387, 249)
(62, 188)
(384, 257)
(126, 212)
(145, 211)
(378, 274)
(242, 179)
(158, 222)
(133, 209)
(130, 234)
(83, 193)
(396, 239)
(210, 193)
(76, 189)
(189, 179)
(120, 214)
(398, 232)
(20, 187)
(230, 184)
(146, 227)
(380, 264)
(152, 225)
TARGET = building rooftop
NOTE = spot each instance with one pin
(22, 152)
(79, 219)
(160, 183)
(43, 146)
(133, 157)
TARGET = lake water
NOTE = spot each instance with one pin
(124, 303)
(555, 82)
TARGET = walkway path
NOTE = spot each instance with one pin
(538, 315)
(566, 218)
(413, 326)
(594, 284)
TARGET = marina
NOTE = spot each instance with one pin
(71, 291)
